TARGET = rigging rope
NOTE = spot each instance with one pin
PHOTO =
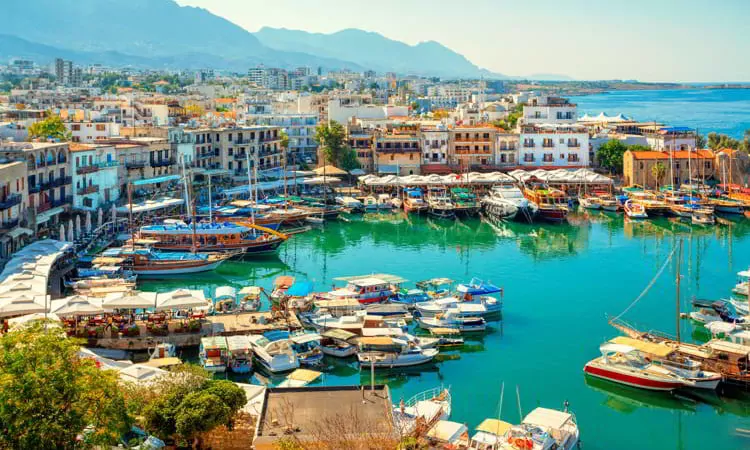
(649, 286)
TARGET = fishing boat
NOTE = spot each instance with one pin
(726, 205)
(436, 287)
(703, 216)
(635, 210)
(240, 354)
(427, 406)
(590, 203)
(541, 429)
(147, 262)
(714, 311)
(463, 318)
(651, 202)
(365, 290)
(551, 203)
(390, 310)
(250, 298)
(464, 201)
(338, 343)
(213, 353)
(350, 203)
(626, 365)
(384, 202)
(307, 348)
(276, 355)
(439, 203)
(485, 306)
(609, 203)
(506, 202)
(370, 203)
(414, 200)
(410, 297)
(384, 352)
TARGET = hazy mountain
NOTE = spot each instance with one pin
(548, 77)
(161, 33)
(375, 51)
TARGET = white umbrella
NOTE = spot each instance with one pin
(88, 221)
(78, 226)
(62, 232)
(77, 305)
(114, 214)
(141, 374)
(181, 298)
(100, 222)
(19, 322)
(130, 301)
(71, 238)
(22, 305)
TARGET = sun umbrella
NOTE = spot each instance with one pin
(62, 232)
(77, 305)
(114, 215)
(329, 170)
(100, 222)
(78, 226)
(28, 319)
(88, 221)
(141, 374)
(180, 298)
(22, 305)
(130, 301)
(71, 238)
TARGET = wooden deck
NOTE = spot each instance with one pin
(219, 325)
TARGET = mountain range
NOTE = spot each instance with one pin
(162, 34)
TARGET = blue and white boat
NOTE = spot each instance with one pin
(213, 353)
(409, 297)
(273, 352)
(307, 346)
(240, 354)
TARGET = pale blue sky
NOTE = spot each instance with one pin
(649, 40)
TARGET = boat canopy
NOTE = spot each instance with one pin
(300, 289)
(250, 291)
(214, 342)
(548, 418)
(744, 274)
(477, 287)
(659, 350)
(337, 333)
(339, 303)
(393, 279)
(305, 338)
(375, 340)
(447, 431)
(223, 292)
(494, 426)
(301, 377)
(236, 343)
(283, 281)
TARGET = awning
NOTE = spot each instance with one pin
(46, 215)
(20, 231)
(156, 180)
(384, 168)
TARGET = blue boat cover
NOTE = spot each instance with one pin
(300, 289)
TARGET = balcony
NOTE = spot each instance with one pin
(35, 189)
(529, 144)
(60, 181)
(164, 162)
(244, 141)
(47, 185)
(67, 200)
(83, 170)
(43, 207)
(8, 224)
(548, 144)
(240, 156)
(574, 144)
(93, 189)
(10, 201)
(135, 164)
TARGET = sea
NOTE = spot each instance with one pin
(725, 111)
(561, 285)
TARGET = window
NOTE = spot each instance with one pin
(100, 127)
(391, 157)
(528, 157)
(707, 164)
(641, 165)
(76, 127)
(562, 141)
(411, 156)
(562, 155)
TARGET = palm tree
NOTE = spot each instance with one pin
(658, 171)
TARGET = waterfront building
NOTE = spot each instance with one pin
(88, 132)
(668, 138)
(143, 157)
(472, 146)
(14, 199)
(362, 143)
(550, 135)
(506, 148)
(48, 178)
(303, 148)
(398, 151)
(686, 165)
(435, 145)
(229, 148)
(95, 178)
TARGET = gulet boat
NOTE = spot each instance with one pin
(146, 262)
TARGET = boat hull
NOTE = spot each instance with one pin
(552, 215)
(629, 379)
(172, 269)
(339, 352)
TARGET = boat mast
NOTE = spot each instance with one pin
(190, 208)
(250, 184)
(677, 289)
(130, 215)
(209, 198)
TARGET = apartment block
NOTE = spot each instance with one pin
(233, 148)
(303, 148)
(95, 175)
(14, 198)
(472, 146)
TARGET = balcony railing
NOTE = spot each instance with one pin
(43, 207)
(245, 141)
(162, 162)
(67, 200)
(9, 224)
(10, 201)
(529, 144)
(87, 169)
(548, 144)
(94, 188)
(240, 156)
(60, 181)
(574, 144)
(135, 164)
(35, 189)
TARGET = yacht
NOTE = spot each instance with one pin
(462, 318)
(635, 210)
(414, 201)
(275, 355)
(439, 204)
(506, 202)
(708, 311)
(541, 429)
(385, 352)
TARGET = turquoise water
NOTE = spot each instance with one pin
(560, 284)
(724, 111)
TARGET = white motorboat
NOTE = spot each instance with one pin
(240, 354)
(349, 202)
(274, 355)
(426, 407)
(635, 210)
(338, 343)
(370, 203)
(743, 280)
(461, 319)
(609, 203)
(590, 203)
(506, 201)
(489, 306)
(384, 201)
(385, 352)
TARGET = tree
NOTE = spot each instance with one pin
(52, 127)
(349, 160)
(440, 114)
(639, 148)
(700, 141)
(284, 138)
(50, 395)
(658, 171)
(331, 137)
(195, 110)
(610, 155)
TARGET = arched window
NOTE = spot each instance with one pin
(51, 157)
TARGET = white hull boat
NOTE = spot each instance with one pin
(413, 356)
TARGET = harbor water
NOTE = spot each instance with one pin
(561, 283)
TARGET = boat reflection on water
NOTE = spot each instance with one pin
(625, 399)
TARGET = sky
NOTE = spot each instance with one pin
(647, 40)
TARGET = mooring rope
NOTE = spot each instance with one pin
(649, 286)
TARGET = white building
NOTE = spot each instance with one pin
(434, 145)
(550, 135)
(90, 132)
(506, 148)
(94, 170)
(301, 131)
(543, 109)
